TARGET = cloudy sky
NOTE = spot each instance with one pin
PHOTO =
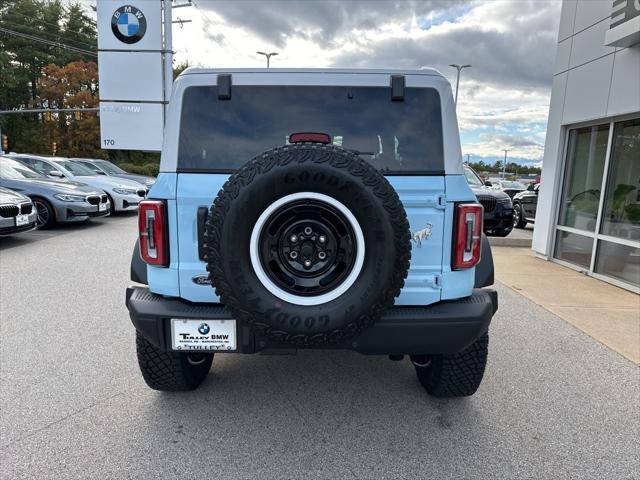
(503, 100)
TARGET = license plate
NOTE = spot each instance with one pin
(102, 207)
(22, 220)
(215, 335)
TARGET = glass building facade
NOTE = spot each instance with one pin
(598, 225)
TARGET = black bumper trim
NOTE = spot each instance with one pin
(20, 229)
(444, 327)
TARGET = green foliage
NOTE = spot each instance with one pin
(178, 69)
(481, 166)
(150, 169)
(23, 75)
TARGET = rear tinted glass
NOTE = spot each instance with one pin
(396, 137)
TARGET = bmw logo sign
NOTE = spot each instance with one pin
(128, 24)
(203, 328)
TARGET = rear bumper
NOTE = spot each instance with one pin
(444, 327)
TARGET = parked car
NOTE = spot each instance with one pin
(341, 220)
(498, 209)
(123, 194)
(55, 201)
(525, 204)
(104, 167)
(17, 213)
(509, 187)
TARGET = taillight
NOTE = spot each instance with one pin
(467, 235)
(309, 137)
(152, 228)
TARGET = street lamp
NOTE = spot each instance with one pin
(459, 68)
(268, 55)
(504, 164)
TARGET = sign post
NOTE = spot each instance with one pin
(135, 71)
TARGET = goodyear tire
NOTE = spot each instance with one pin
(307, 244)
(454, 375)
(171, 371)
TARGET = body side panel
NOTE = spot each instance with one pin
(455, 284)
(165, 281)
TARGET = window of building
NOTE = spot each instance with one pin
(586, 155)
(621, 214)
(599, 219)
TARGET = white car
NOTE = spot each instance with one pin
(124, 194)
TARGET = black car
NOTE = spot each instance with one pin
(524, 206)
(509, 187)
(498, 210)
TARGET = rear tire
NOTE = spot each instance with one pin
(454, 375)
(171, 371)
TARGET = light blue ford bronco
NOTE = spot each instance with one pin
(322, 209)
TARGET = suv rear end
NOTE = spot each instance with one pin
(353, 226)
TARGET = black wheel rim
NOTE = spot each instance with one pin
(307, 247)
(43, 214)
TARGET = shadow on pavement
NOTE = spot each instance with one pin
(314, 401)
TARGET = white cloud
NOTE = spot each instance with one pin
(511, 45)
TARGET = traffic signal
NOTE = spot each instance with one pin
(54, 148)
(5, 143)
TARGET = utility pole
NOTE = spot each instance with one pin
(459, 69)
(468, 155)
(504, 164)
(268, 56)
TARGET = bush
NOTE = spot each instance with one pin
(150, 168)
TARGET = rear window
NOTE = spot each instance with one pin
(396, 137)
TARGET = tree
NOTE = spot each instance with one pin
(71, 86)
(79, 31)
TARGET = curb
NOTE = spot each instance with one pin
(509, 242)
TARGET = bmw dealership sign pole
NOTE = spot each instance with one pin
(135, 71)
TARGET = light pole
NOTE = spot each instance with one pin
(268, 56)
(459, 68)
(504, 164)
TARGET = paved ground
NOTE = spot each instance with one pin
(519, 237)
(609, 314)
(554, 404)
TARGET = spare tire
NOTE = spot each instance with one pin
(308, 244)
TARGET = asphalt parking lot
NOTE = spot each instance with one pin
(554, 404)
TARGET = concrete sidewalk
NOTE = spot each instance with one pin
(609, 314)
(519, 237)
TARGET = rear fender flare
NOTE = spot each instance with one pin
(484, 270)
(138, 267)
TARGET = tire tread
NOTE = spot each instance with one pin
(168, 371)
(313, 153)
(458, 374)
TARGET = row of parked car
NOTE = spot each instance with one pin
(38, 192)
(507, 204)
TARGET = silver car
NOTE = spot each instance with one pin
(17, 213)
(105, 167)
(123, 194)
(55, 200)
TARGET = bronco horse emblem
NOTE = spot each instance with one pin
(421, 235)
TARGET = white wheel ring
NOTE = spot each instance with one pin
(254, 248)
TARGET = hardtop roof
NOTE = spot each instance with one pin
(387, 71)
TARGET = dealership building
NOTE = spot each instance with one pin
(588, 212)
